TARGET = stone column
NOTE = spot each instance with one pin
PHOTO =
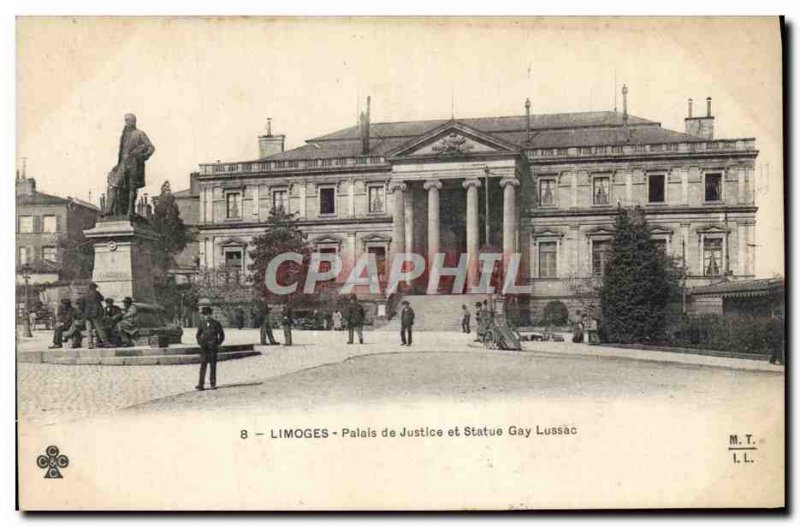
(409, 207)
(434, 229)
(398, 217)
(509, 184)
(473, 233)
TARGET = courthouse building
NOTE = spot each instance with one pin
(545, 186)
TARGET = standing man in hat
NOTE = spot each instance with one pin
(128, 326)
(465, 315)
(355, 320)
(94, 313)
(479, 321)
(209, 336)
(406, 322)
(287, 322)
(266, 328)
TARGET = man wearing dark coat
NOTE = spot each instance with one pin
(64, 319)
(406, 322)
(355, 320)
(266, 329)
(127, 177)
(95, 316)
(287, 322)
(209, 336)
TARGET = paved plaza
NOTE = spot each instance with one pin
(322, 369)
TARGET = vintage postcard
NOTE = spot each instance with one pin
(399, 263)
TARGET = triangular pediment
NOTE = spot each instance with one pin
(453, 139)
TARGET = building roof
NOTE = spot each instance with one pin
(41, 198)
(558, 130)
(753, 287)
(185, 194)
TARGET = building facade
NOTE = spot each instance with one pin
(49, 231)
(544, 186)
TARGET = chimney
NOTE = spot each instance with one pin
(528, 119)
(702, 127)
(625, 105)
(25, 186)
(270, 144)
(365, 129)
(194, 183)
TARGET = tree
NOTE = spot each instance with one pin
(638, 283)
(225, 288)
(77, 257)
(281, 235)
(173, 236)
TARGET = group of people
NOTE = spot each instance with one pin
(107, 324)
(352, 319)
(484, 315)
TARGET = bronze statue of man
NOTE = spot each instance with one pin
(127, 176)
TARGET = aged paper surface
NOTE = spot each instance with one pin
(521, 417)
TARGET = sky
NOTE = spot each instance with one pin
(202, 88)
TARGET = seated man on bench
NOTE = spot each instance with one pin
(74, 330)
(128, 326)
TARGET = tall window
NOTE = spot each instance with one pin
(548, 257)
(280, 200)
(601, 253)
(49, 224)
(713, 187)
(601, 187)
(327, 201)
(547, 192)
(712, 257)
(655, 188)
(325, 266)
(25, 224)
(233, 205)
(380, 260)
(49, 254)
(377, 199)
(234, 265)
(23, 255)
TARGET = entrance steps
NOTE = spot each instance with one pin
(172, 355)
(440, 312)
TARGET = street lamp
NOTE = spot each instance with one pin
(26, 275)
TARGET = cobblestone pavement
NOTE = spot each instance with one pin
(50, 393)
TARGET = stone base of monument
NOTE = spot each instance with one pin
(172, 355)
(124, 266)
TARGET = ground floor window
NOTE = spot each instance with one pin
(601, 253)
(324, 265)
(49, 254)
(712, 257)
(548, 257)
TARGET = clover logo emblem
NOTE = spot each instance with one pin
(52, 462)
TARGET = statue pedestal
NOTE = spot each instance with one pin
(123, 259)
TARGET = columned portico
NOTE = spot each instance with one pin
(434, 227)
(473, 231)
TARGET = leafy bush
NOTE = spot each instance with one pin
(746, 334)
(555, 314)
